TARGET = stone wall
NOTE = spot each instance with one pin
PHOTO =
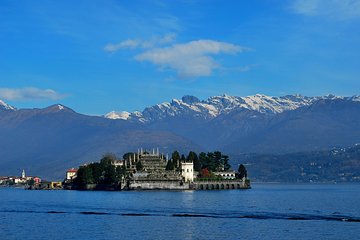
(220, 185)
(197, 185)
(161, 185)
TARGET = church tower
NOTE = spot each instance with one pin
(23, 174)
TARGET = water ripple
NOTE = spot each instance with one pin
(243, 215)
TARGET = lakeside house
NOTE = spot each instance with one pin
(71, 174)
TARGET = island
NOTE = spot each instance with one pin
(152, 170)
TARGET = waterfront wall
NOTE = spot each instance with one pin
(197, 185)
(167, 185)
(220, 185)
(159, 185)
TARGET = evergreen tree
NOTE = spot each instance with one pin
(218, 163)
(97, 172)
(84, 175)
(169, 165)
(192, 157)
(210, 162)
(176, 159)
(225, 160)
(139, 166)
(203, 159)
(110, 174)
(242, 172)
(120, 172)
(31, 182)
(107, 160)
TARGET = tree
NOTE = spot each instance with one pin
(108, 159)
(203, 159)
(169, 165)
(225, 160)
(120, 172)
(97, 172)
(109, 156)
(242, 172)
(210, 162)
(31, 182)
(192, 157)
(204, 173)
(110, 174)
(84, 175)
(139, 166)
(176, 159)
(218, 163)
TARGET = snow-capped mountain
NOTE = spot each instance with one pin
(235, 125)
(218, 105)
(6, 107)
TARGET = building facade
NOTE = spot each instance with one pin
(71, 174)
(187, 171)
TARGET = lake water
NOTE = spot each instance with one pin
(267, 211)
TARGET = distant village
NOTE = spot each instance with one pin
(19, 180)
(146, 170)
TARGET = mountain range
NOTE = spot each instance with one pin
(49, 140)
(220, 105)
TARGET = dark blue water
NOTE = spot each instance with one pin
(268, 211)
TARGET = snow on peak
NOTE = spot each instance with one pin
(4, 105)
(118, 115)
(355, 98)
(61, 107)
(217, 105)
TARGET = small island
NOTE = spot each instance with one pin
(151, 170)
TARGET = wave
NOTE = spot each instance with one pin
(274, 216)
(255, 215)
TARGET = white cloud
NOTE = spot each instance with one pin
(137, 43)
(130, 43)
(192, 59)
(339, 9)
(29, 93)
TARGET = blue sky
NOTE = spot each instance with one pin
(98, 56)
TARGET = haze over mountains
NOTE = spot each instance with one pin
(47, 141)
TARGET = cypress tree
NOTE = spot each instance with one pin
(169, 165)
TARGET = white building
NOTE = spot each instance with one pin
(118, 163)
(187, 171)
(19, 180)
(71, 173)
(226, 175)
